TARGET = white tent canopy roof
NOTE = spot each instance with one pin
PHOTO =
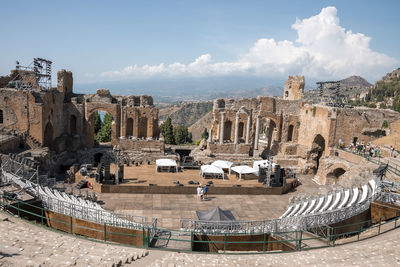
(258, 163)
(166, 163)
(223, 164)
(211, 169)
(244, 169)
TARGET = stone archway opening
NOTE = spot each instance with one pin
(48, 135)
(290, 133)
(142, 130)
(101, 124)
(266, 136)
(334, 175)
(227, 130)
(317, 150)
(129, 127)
(241, 129)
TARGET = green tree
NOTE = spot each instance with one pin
(104, 134)
(167, 131)
(204, 134)
(385, 124)
(97, 122)
(190, 137)
(182, 135)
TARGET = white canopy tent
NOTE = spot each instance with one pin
(263, 163)
(244, 169)
(223, 164)
(166, 165)
(209, 171)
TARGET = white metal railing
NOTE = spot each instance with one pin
(284, 224)
(15, 172)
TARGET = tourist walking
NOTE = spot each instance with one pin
(199, 192)
(205, 191)
(391, 151)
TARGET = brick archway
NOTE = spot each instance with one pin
(115, 125)
(267, 136)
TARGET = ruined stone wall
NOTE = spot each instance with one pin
(240, 149)
(150, 146)
(363, 123)
(9, 143)
(248, 114)
(294, 87)
(289, 107)
(65, 82)
(14, 104)
(100, 102)
(52, 116)
(62, 120)
(139, 122)
(133, 116)
(314, 120)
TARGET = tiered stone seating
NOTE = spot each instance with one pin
(30, 245)
(377, 251)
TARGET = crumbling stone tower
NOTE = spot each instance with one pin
(64, 82)
(294, 88)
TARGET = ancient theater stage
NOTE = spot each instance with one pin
(145, 179)
(171, 208)
(146, 174)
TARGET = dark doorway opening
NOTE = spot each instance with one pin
(290, 133)
(97, 158)
(129, 127)
(227, 130)
(48, 135)
(317, 150)
(72, 124)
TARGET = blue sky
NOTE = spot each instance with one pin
(114, 41)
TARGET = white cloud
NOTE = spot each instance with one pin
(323, 50)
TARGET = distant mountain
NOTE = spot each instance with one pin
(172, 90)
(349, 88)
(355, 82)
(386, 92)
(248, 93)
(393, 76)
(198, 127)
(185, 113)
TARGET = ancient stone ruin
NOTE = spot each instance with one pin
(296, 134)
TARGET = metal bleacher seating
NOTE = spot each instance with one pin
(331, 201)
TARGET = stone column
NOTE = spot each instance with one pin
(248, 128)
(123, 121)
(149, 130)
(210, 136)
(237, 128)
(255, 154)
(136, 124)
(221, 132)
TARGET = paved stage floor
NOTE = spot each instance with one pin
(169, 209)
(143, 175)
